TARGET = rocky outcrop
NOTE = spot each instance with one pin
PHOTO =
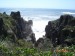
(24, 29)
(16, 27)
(39, 41)
(61, 30)
(43, 44)
(1, 26)
(3, 32)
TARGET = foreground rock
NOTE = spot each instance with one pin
(15, 27)
(43, 44)
(61, 31)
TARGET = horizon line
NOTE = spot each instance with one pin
(32, 8)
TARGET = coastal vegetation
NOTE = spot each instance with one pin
(18, 39)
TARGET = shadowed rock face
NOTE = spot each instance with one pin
(39, 41)
(48, 29)
(2, 30)
(65, 19)
(15, 15)
(16, 26)
(60, 30)
(1, 26)
(23, 27)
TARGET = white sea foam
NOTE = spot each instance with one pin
(39, 23)
(40, 17)
(39, 28)
(68, 13)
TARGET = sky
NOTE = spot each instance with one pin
(54, 4)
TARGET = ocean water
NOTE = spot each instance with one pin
(39, 16)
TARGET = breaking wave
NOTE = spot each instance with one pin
(68, 13)
(39, 23)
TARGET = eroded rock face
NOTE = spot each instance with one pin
(39, 42)
(23, 27)
(65, 19)
(60, 30)
(16, 27)
(1, 26)
(48, 29)
(15, 15)
(2, 30)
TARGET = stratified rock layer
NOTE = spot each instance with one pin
(15, 27)
(62, 30)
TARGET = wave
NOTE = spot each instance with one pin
(68, 13)
(39, 23)
(41, 17)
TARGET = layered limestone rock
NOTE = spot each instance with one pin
(15, 27)
(62, 30)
